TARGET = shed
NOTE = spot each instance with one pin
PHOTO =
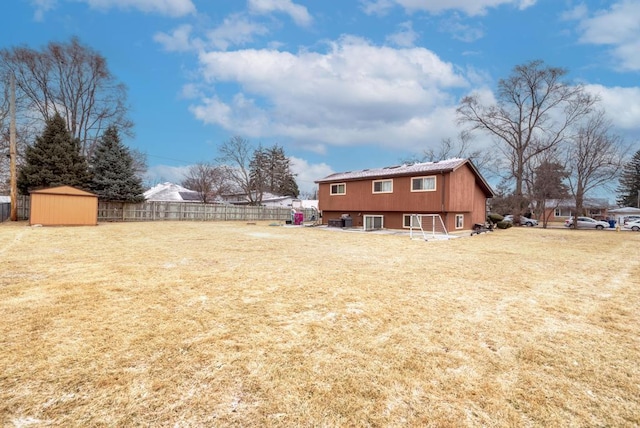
(63, 206)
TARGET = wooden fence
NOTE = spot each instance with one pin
(183, 211)
(5, 211)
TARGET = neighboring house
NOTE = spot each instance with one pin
(621, 214)
(388, 196)
(560, 210)
(170, 192)
(268, 200)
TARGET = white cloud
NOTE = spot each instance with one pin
(618, 27)
(460, 31)
(179, 40)
(469, 7)
(622, 105)
(235, 30)
(298, 13)
(406, 37)
(377, 7)
(307, 173)
(162, 173)
(173, 8)
(355, 93)
(42, 7)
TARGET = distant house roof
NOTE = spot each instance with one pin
(267, 199)
(625, 210)
(408, 169)
(587, 203)
(171, 192)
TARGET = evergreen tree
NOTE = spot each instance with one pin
(629, 188)
(272, 169)
(54, 160)
(113, 167)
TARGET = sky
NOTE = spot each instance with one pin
(341, 85)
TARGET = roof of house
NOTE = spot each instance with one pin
(587, 203)
(447, 165)
(171, 192)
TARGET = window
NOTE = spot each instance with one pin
(372, 222)
(339, 189)
(459, 221)
(423, 184)
(557, 212)
(411, 220)
(383, 186)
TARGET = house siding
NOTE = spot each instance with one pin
(456, 192)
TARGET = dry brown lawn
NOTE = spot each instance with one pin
(231, 324)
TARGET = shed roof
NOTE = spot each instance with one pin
(63, 190)
(447, 165)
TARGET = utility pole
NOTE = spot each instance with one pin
(13, 216)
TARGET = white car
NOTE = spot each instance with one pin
(631, 219)
(524, 221)
(633, 225)
(587, 223)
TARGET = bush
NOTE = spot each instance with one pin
(504, 224)
(494, 218)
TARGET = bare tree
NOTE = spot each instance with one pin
(208, 180)
(548, 184)
(595, 156)
(237, 153)
(72, 80)
(535, 111)
(461, 147)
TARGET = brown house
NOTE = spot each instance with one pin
(558, 210)
(387, 197)
(63, 206)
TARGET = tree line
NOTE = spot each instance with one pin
(552, 140)
(66, 91)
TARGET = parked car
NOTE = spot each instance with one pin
(631, 218)
(633, 225)
(587, 223)
(524, 221)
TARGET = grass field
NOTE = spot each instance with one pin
(231, 324)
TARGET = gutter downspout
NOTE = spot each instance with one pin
(446, 214)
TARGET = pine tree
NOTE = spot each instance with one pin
(114, 177)
(274, 169)
(54, 160)
(629, 188)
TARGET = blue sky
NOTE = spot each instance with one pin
(340, 84)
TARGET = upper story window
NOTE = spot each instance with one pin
(339, 189)
(383, 186)
(423, 184)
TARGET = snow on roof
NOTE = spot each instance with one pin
(405, 169)
(170, 192)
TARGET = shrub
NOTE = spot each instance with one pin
(504, 224)
(494, 218)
